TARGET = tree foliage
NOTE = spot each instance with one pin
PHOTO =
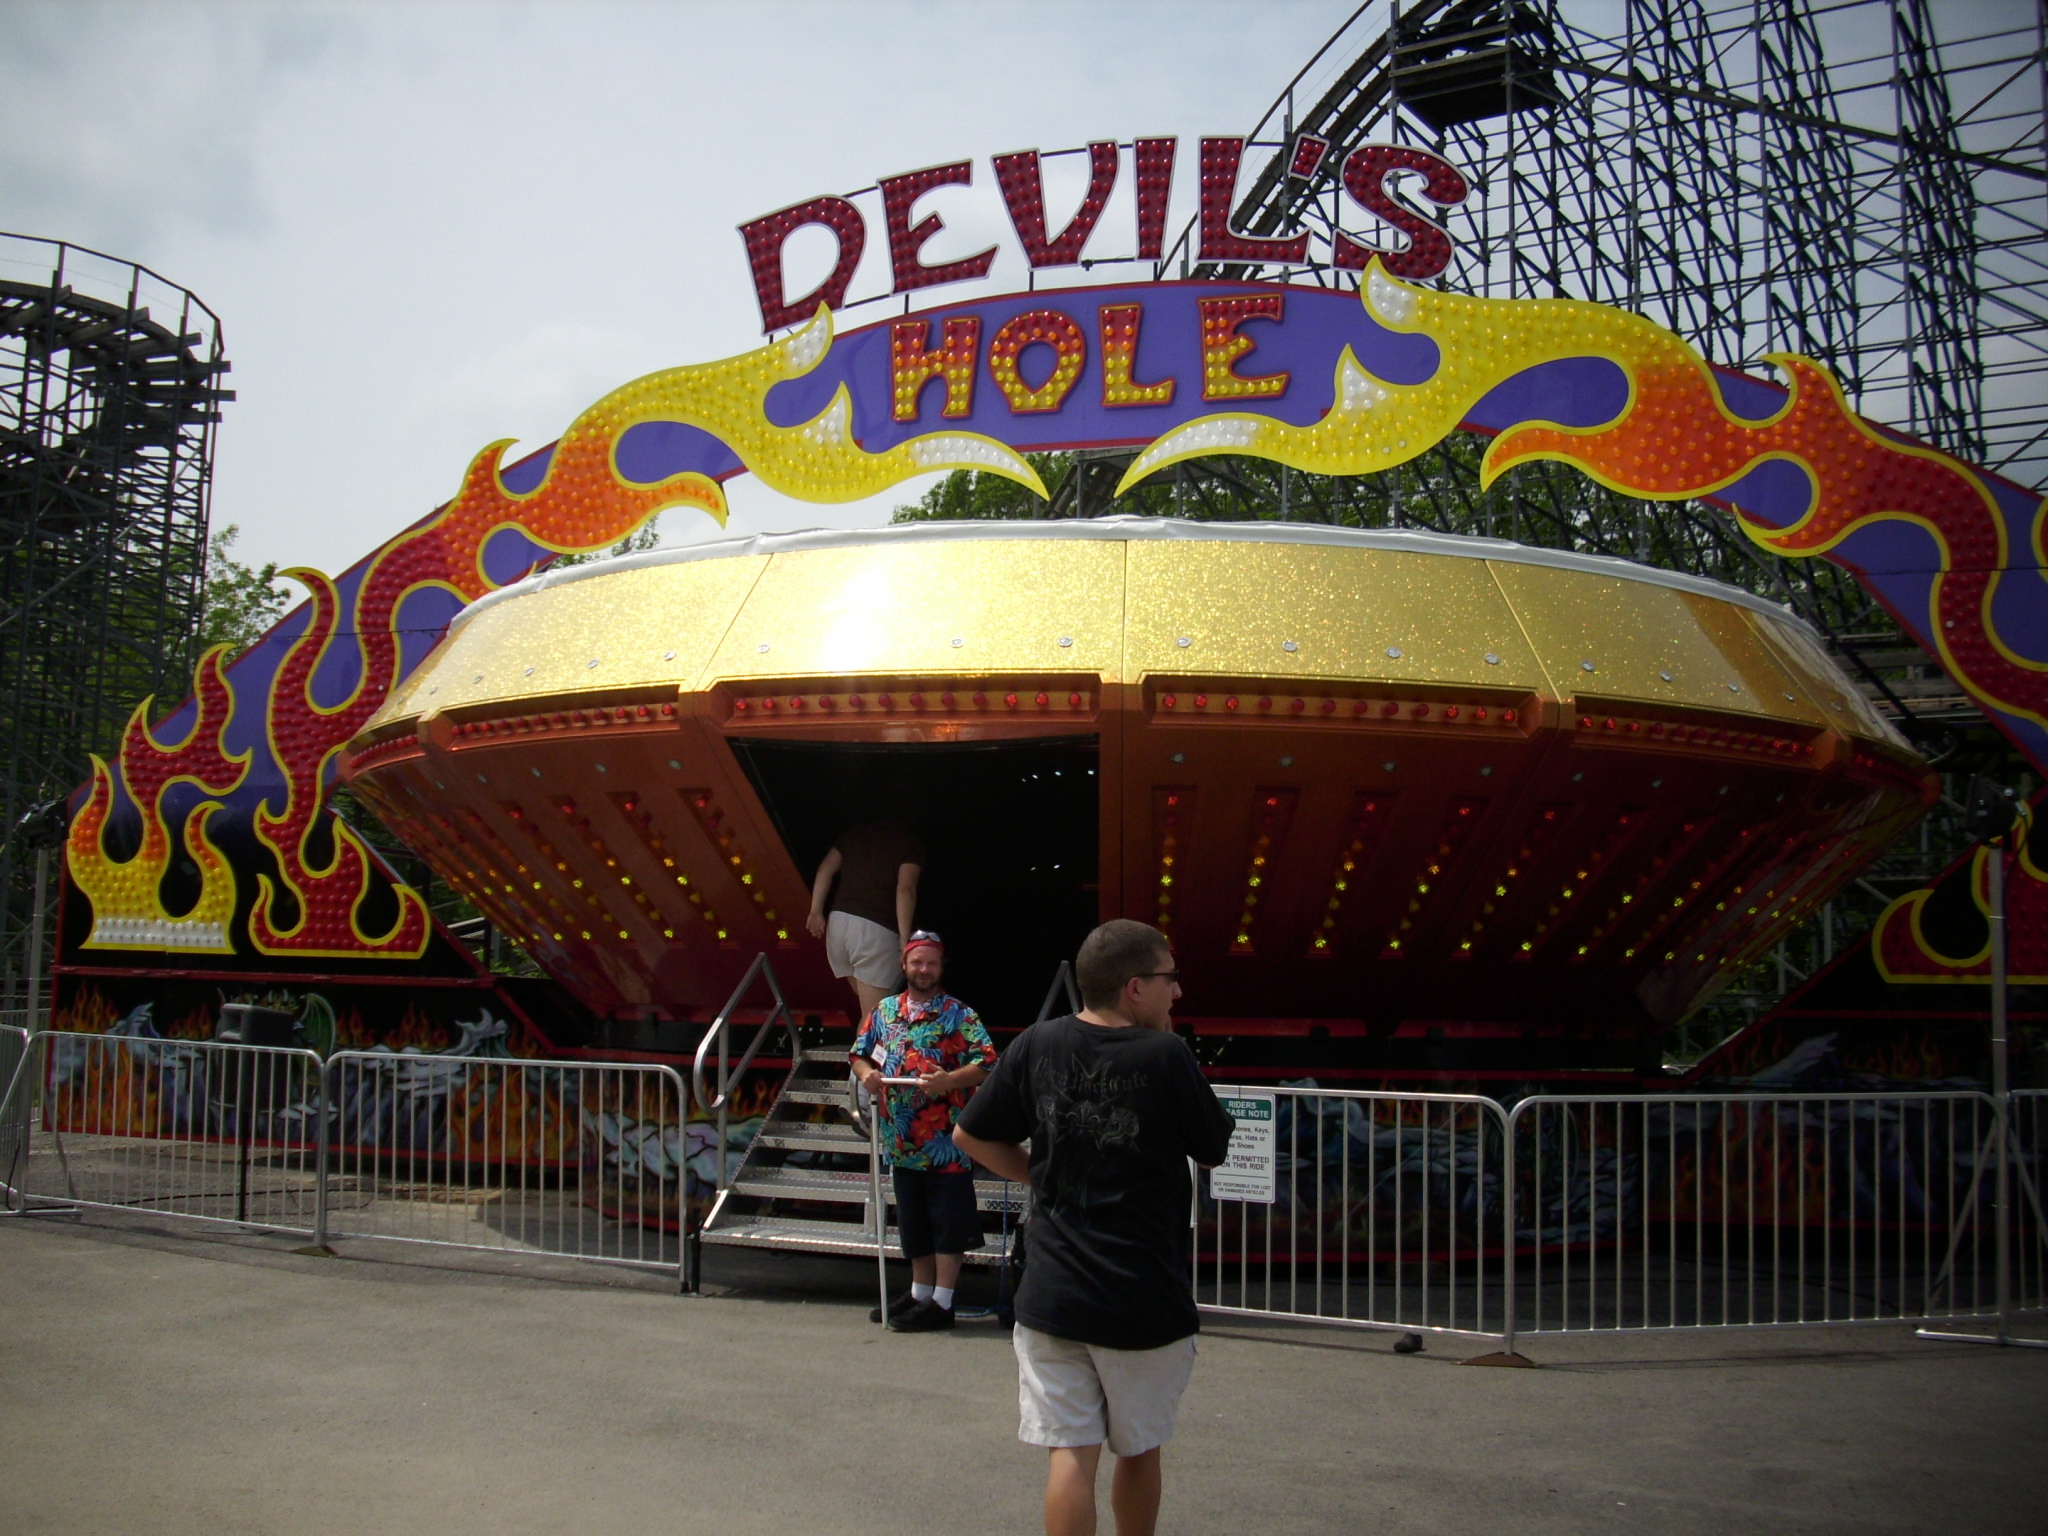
(242, 602)
(646, 536)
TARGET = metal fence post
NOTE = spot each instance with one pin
(324, 1133)
(1507, 1232)
(2001, 1094)
(875, 1199)
(35, 942)
(689, 1257)
(2001, 1115)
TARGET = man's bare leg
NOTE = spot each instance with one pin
(924, 1271)
(946, 1268)
(1134, 1493)
(1070, 1490)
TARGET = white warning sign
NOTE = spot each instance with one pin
(1247, 1171)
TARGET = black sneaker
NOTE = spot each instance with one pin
(926, 1317)
(898, 1307)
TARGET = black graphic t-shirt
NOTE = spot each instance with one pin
(1112, 1115)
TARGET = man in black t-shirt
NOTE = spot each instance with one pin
(1113, 1106)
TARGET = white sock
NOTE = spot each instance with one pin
(943, 1295)
(920, 1291)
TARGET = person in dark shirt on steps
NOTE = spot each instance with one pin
(1113, 1106)
(864, 904)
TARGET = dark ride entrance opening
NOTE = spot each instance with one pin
(1010, 834)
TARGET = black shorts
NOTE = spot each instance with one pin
(935, 1212)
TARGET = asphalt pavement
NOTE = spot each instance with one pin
(163, 1381)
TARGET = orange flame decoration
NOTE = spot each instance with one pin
(512, 1114)
(581, 504)
(1677, 440)
(112, 1094)
(1751, 1171)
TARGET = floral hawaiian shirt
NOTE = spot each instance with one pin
(909, 1039)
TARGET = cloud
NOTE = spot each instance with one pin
(120, 123)
(429, 225)
(529, 388)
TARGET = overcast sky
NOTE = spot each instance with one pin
(427, 226)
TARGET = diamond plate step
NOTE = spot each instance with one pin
(852, 1187)
(811, 1136)
(789, 1232)
(835, 1095)
(802, 1184)
(793, 1234)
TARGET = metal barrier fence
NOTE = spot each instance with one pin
(1422, 1212)
(205, 1130)
(1657, 1212)
(567, 1159)
(1386, 1212)
(1443, 1212)
(578, 1160)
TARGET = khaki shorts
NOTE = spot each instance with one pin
(1084, 1394)
(864, 950)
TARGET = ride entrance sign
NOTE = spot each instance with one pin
(1247, 1170)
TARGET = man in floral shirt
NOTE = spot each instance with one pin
(924, 1033)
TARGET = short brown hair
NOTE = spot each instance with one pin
(1112, 955)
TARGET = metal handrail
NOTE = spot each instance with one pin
(853, 1096)
(726, 1078)
(878, 1209)
(728, 1075)
(1061, 978)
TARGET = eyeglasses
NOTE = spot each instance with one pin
(923, 936)
(1170, 976)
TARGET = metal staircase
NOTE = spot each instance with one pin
(809, 1180)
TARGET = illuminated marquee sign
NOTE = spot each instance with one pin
(1371, 176)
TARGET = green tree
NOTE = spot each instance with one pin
(646, 536)
(973, 493)
(241, 602)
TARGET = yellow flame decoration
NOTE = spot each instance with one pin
(817, 460)
(127, 910)
(1373, 425)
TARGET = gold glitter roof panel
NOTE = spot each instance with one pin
(1123, 597)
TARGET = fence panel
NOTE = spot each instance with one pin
(16, 1091)
(1638, 1212)
(581, 1160)
(200, 1129)
(1387, 1213)
(1431, 1212)
(2029, 1199)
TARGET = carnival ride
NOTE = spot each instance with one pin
(1402, 803)
(582, 741)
